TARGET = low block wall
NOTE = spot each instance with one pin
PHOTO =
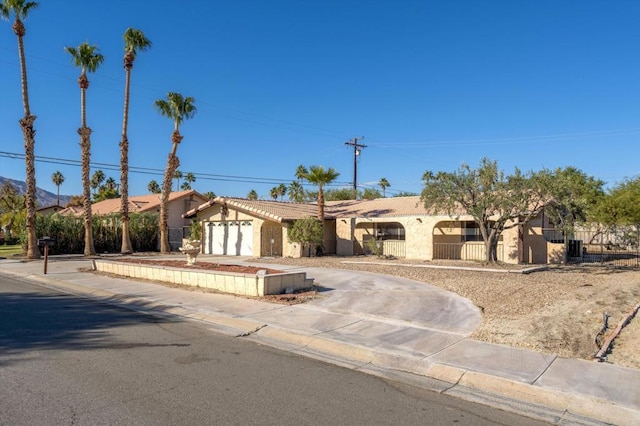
(225, 282)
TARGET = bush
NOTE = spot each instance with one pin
(307, 231)
(68, 232)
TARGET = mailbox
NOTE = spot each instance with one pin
(46, 242)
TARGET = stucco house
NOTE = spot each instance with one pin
(399, 226)
(179, 202)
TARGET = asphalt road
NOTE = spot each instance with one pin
(69, 360)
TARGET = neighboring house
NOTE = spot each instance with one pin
(399, 226)
(179, 202)
(54, 208)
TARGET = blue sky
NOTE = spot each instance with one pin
(429, 84)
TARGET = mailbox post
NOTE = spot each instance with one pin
(46, 242)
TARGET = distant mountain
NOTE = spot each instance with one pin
(44, 198)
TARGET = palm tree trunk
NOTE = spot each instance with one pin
(124, 171)
(26, 123)
(85, 148)
(29, 145)
(172, 164)
(85, 145)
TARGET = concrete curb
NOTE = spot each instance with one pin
(537, 398)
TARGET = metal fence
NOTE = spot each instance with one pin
(611, 247)
(464, 251)
(389, 248)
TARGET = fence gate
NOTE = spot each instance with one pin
(609, 248)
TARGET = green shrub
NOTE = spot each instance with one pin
(68, 232)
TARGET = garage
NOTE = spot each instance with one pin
(233, 238)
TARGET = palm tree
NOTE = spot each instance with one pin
(282, 190)
(87, 58)
(252, 195)
(21, 9)
(177, 175)
(134, 40)
(210, 195)
(189, 178)
(153, 187)
(96, 180)
(320, 177)
(384, 184)
(177, 108)
(274, 193)
(301, 174)
(57, 179)
(295, 191)
(110, 183)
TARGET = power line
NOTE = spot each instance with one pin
(154, 171)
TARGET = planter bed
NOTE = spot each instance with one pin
(261, 283)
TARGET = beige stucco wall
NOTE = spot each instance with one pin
(177, 208)
(290, 249)
(510, 244)
(534, 245)
(345, 236)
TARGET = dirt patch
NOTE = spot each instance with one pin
(558, 311)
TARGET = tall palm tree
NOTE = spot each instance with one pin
(177, 175)
(252, 195)
(320, 177)
(153, 187)
(57, 179)
(96, 180)
(384, 184)
(282, 190)
(301, 174)
(295, 191)
(110, 183)
(21, 9)
(134, 40)
(87, 58)
(189, 178)
(177, 108)
(274, 193)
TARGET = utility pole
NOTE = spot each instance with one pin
(356, 151)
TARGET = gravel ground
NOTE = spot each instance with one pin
(558, 311)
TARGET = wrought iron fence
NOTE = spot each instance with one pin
(609, 247)
(390, 248)
(464, 251)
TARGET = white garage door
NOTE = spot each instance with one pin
(234, 238)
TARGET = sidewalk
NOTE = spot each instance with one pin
(382, 325)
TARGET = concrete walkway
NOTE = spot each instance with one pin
(382, 325)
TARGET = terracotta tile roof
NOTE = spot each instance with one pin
(380, 207)
(137, 204)
(278, 211)
(286, 212)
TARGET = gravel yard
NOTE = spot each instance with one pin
(558, 311)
